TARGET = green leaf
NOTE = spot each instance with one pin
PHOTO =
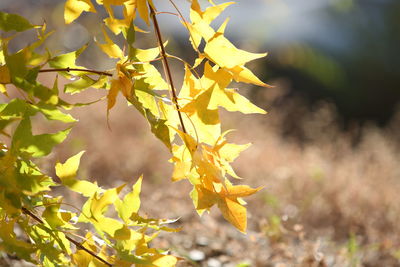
(158, 126)
(31, 180)
(131, 202)
(83, 83)
(68, 61)
(16, 63)
(37, 145)
(25, 78)
(10, 22)
(129, 34)
(52, 113)
(16, 108)
(50, 214)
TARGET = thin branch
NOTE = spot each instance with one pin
(169, 13)
(145, 62)
(167, 69)
(76, 243)
(190, 66)
(68, 69)
(186, 24)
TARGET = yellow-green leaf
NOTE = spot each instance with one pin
(131, 202)
(37, 145)
(67, 173)
(100, 202)
(69, 169)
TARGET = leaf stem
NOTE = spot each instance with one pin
(76, 243)
(68, 69)
(166, 67)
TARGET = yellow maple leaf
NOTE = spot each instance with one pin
(231, 207)
(67, 172)
(206, 121)
(74, 8)
(110, 48)
(101, 201)
(218, 48)
(122, 83)
(200, 26)
(205, 166)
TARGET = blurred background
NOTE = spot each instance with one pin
(328, 152)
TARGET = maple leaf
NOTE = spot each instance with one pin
(122, 84)
(131, 202)
(218, 48)
(200, 99)
(110, 48)
(67, 173)
(205, 166)
(74, 8)
(36, 145)
(228, 200)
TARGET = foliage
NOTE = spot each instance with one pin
(187, 123)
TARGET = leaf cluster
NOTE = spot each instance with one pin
(187, 122)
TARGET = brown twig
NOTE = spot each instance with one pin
(76, 243)
(166, 67)
(68, 69)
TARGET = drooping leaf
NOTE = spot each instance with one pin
(231, 208)
(142, 6)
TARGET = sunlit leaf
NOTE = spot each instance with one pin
(67, 173)
(131, 202)
(101, 201)
(110, 48)
(37, 145)
(74, 8)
